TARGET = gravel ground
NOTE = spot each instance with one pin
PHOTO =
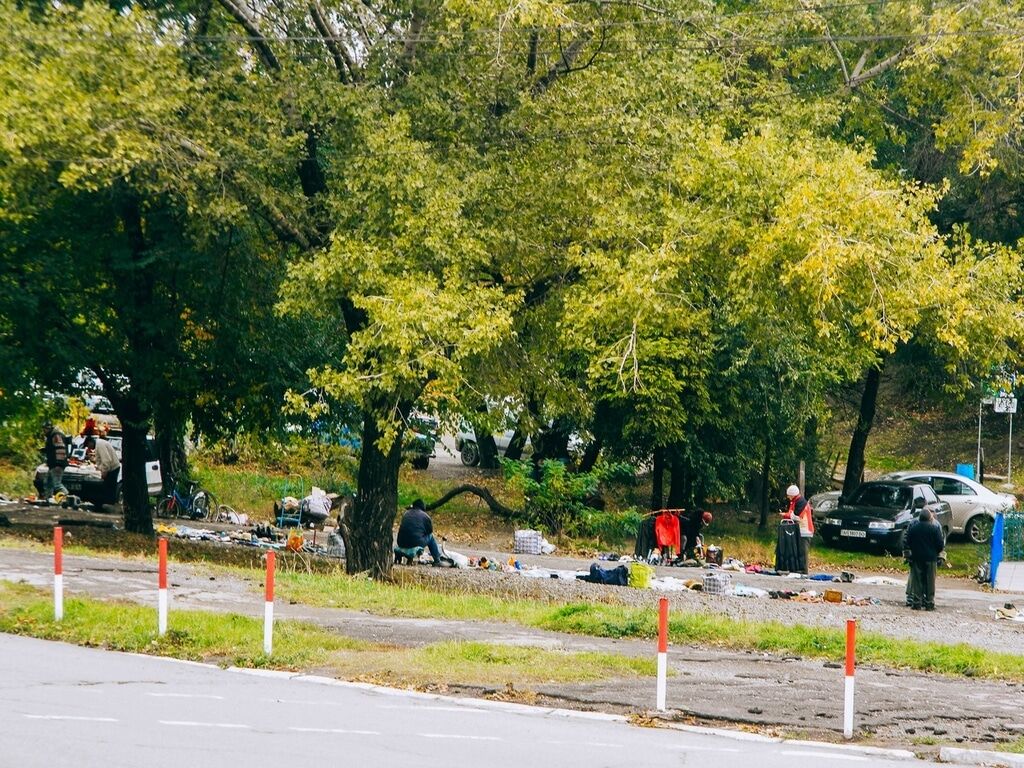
(963, 614)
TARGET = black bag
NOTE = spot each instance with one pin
(787, 547)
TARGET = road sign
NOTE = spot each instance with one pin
(1004, 404)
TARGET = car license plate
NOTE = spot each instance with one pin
(853, 534)
(73, 485)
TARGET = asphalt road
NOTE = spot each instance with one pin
(61, 705)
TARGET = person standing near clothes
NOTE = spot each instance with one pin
(800, 510)
(923, 549)
(56, 451)
(415, 532)
(692, 526)
(104, 457)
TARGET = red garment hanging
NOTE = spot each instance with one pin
(666, 530)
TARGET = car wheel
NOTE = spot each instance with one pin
(979, 529)
(420, 462)
(470, 453)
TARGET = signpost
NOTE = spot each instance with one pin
(1007, 403)
(1002, 402)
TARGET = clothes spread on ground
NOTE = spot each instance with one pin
(618, 576)
(415, 530)
(666, 531)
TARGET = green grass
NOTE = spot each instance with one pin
(1016, 746)
(16, 481)
(237, 640)
(194, 635)
(617, 621)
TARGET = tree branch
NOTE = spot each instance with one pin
(256, 38)
(564, 66)
(342, 61)
(831, 43)
(880, 67)
(495, 506)
(412, 39)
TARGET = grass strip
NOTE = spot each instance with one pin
(230, 639)
(618, 621)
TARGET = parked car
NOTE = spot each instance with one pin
(420, 440)
(469, 451)
(973, 505)
(102, 412)
(879, 512)
(84, 481)
(823, 503)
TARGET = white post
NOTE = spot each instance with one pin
(1009, 454)
(851, 637)
(977, 467)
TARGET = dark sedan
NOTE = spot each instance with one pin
(880, 512)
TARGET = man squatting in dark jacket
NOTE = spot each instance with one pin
(416, 532)
(923, 548)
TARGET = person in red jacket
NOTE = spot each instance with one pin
(800, 510)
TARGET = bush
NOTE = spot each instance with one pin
(559, 501)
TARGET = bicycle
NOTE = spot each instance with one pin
(195, 503)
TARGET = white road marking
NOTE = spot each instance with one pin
(695, 748)
(187, 696)
(333, 730)
(429, 708)
(195, 724)
(829, 755)
(74, 717)
(588, 744)
(458, 736)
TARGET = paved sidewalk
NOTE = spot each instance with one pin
(711, 685)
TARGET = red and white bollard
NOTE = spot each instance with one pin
(58, 573)
(268, 609)
(662, 651)
(851, 641)
(162, 593)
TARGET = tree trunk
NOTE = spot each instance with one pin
(855, 459)
(766, 470)
(488, 450)
(678, 476)
(170, 443)
(514, 452)
(591, 454)
(658, 478)
(138, 516)
(373, 516)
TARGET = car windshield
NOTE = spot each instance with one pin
(887, 496)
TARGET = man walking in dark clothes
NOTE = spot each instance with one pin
(923, 548)
(416, 532)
